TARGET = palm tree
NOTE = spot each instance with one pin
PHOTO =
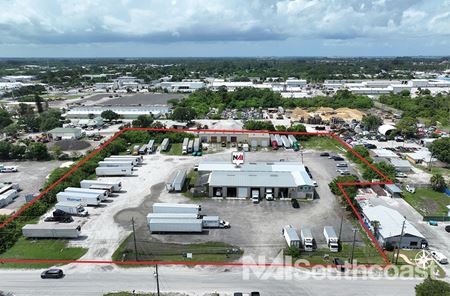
(437, 182)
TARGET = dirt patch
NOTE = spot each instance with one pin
(68, 145)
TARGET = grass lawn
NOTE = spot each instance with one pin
(157, 251)
(434, 170)
(428, 202)
(323, 143)
(175, 149)
(40, 249)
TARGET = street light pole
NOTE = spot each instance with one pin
(400, 242)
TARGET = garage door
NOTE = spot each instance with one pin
(223, 139)
(213, 139)
(242, 192)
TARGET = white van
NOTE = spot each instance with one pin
(439, 257)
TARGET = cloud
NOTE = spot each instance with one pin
(151, 21)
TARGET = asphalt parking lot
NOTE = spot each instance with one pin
(254, 227)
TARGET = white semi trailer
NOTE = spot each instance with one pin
(175, 225)
(103, 193)
(116, 186)
(307, 239)
(291, 236)
(292, 139)
(72, 208)
(286, 142)
(331, 238)
(177, 183)
(132, 161)
(278, 139)
(171, 216)
(52, 230)
(184, 148)
(176, 208)
(138, 158)
(83, 198)
(7, 197)
(118, 171)
(115, 163)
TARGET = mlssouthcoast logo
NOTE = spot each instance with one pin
(237, 157)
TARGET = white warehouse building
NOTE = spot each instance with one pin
(127, 112)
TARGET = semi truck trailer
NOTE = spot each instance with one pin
(165, 145)
(176, 208)
(151, 146)
(83, 198)
(138, 158)
(132, 161)
(177, 183)
(286, 142)
(171, 216)
(175, 225)
(307, 239)
(196, 145)
(117, 171)
(103, 193)
(7, 197)
(115, 163)
(331, 238)
(116, 186)
(72, 208)
(52, 230)
(291, 236)
(278, 139)
(184, 147)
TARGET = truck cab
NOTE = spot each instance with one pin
(269, 194)
(255, 196)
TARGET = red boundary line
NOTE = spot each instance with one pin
(340, 185)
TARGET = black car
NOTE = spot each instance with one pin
(55, 273)
(237, 294)
(295, 203)
(340, 265)
(447, 228)
(370, 146)
(325, 154)
(254, 294)
(338, 158)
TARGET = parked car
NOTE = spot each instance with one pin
(439, 257)
(343, 172)
(410, 188)
(315, 183)
(54, 273)
(295, 203)
(325, 154)
(254, 294)
(370, 146)
(401, 175)
(433, 223)
(447, 228)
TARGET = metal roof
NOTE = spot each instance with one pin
(253, 179)
(390, 221)
(393, 188)
(262, 166)
(397, 162)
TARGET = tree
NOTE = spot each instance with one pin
(50, 120)
(432, 287)
(143, 121)
(385, 168)
(184, 114)
(407, 126)
(362, 151)
(11, 129)
(24, 109)
(18, 151)
(372, 122)
(38, 101)
(5, 148)
(437, 182)
(259, 125)
(174, 102)
(441, 149)
(37, 151)
(110, 115)
(5, 118)
(299, 128)
(30, 122)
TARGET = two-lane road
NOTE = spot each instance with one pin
(194, 281)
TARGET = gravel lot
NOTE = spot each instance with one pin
(31, 176)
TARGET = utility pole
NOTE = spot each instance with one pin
(353, 246)
(342, 220)
(400, 242)
(157, 280)
(134, 238)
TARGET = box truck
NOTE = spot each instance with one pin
(72, 208)
(184, 147)
(165, 144)
(117, 171)
(171, 216)
(52, 230)
(103, 193)
(83, 198)
(176, 208)
(151, 146)
(307, 239)
(286, 142)
(175, 225)
(116, 186)
(177, 183)
(291, 236)
(132, 161)
(114, 164)
(331, 238)
(214, 222)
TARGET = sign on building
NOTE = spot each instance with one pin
(237, 157)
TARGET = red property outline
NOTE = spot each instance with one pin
(340, 185)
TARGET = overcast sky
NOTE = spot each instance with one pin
(148, 28)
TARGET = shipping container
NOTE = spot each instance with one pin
(52, 230)
(176, 208)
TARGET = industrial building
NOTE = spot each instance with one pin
(61, 133)
(260, 139)
(401, 165)
(126, 112)
(286, 179)
(388, 228)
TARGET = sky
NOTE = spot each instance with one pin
(222, 28)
